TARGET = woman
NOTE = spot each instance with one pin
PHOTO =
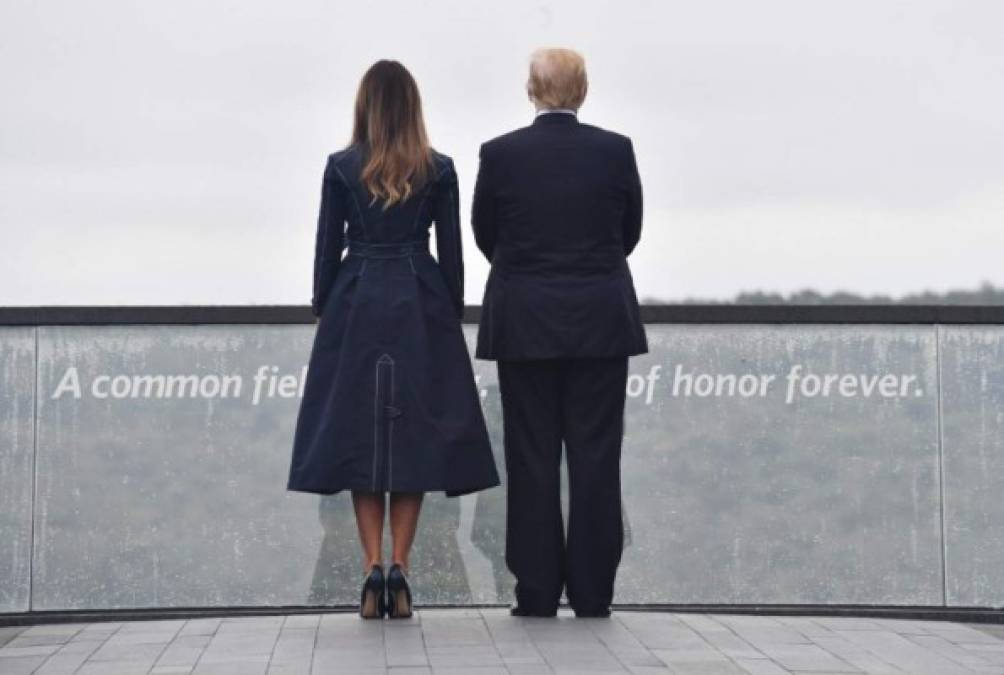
(389, 404)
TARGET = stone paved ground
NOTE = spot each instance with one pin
(490, 641)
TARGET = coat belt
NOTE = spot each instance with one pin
(396, 249)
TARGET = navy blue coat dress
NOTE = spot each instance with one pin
(389, 402)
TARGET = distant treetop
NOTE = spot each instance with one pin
(986, 294)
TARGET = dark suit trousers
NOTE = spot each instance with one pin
(578, 401)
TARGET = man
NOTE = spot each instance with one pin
(557, 210)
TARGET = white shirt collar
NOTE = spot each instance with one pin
(544, 111)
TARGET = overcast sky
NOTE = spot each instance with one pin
(171, 152)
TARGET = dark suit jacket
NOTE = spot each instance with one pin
(557, 210)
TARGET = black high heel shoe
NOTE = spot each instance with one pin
(373, 603)
(398, 594)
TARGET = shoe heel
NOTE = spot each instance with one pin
(370, 606)
(399, 605)
(372, 603)
(398, 594)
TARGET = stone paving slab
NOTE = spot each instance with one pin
(489, 641)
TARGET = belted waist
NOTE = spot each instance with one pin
(396, 249)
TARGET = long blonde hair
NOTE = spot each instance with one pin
(390, 128)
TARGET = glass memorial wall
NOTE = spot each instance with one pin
(17, 442)
(145, 466)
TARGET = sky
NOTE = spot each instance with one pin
(172, 152)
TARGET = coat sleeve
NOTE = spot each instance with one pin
(449, 250)
(632, 214)
(330, 237)
(483, 207)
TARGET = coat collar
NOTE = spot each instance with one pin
(556, 117)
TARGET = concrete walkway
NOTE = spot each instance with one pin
(490, 641)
